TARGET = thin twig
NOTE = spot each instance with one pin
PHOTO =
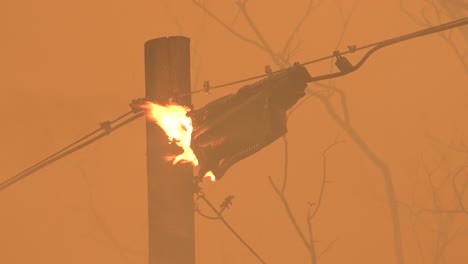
(266, 46)
(457, 192)
(388, 181)
(332, 87)
(311, 214)
(286, 206)
(226, 26)
(286, 163)
(425, 22)
(313, 253)
(327, 248)
(301, 22)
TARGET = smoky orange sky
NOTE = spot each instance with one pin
(66, 66)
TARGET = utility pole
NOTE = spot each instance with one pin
(170, 187)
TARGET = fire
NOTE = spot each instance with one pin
(178, 127)
(210, 175)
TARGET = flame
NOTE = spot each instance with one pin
(210, 175)
(178, 127)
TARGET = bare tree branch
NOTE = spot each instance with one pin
(332, 87)
(418, 241)
(327, 248)
(443, 219)
(310, 6)
(277, 59)
(286, 163)
(313, 253)
(291, 217)
(226, 26)
(311, 214)
(324, 178)
(280, 62)
(458, 194)
(425, 22)
(309, 244)
(389, 188)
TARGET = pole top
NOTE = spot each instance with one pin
(168, 38)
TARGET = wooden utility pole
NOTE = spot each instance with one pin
(170, 187)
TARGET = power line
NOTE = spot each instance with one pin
(351, 49)
(76, 142)
(107, 126)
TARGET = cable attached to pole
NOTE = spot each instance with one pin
(343, 64)
(106, 127)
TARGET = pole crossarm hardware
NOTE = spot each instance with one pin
(342, 63)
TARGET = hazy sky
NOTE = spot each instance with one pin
(66, 66)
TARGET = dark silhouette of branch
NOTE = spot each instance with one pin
(199, 4)
(310, 7)
(219, 216)
(324, 178)
(344, 105)
(312, 248)
(442, 222)
(332, 87)
(418, 240)
(455, 11)
(309, 244)
(266, 46)
(286, 163)
(458, 193)
(345, 22)
(344, 124)
(311, 214)
(327, 248)
(286, 206)
(448, 9)
(389, 188)
(443, 219)
(418, 210)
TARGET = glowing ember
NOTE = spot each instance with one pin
(174, 121)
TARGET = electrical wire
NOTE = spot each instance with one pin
(108, 127)
(375, 46)
(73, 144)
(73, 147)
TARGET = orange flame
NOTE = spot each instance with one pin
(178, 127)
(210, 175)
